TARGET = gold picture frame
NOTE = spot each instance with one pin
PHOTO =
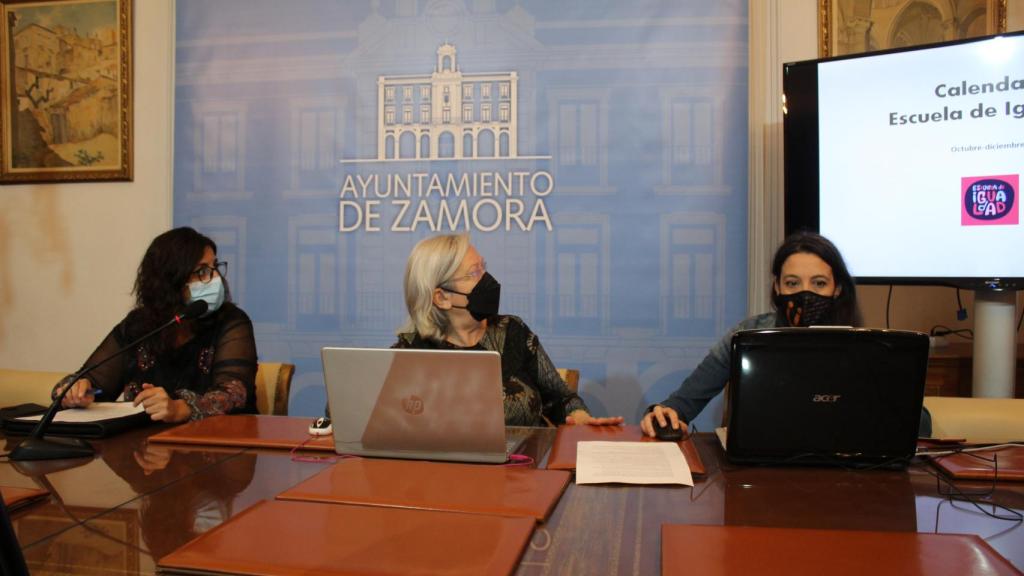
(66, 102)
(853, 26)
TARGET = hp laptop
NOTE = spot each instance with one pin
(847, 396)
(422, 404)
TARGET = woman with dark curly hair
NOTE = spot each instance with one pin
(200, 368)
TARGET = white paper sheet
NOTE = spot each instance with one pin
(93, 413)
(723, 436)
(631, 463)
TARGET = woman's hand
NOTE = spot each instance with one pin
(665, 416)
(79, 396)
(160, 406)
(583, 417)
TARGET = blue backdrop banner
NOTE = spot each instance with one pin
(595, 150)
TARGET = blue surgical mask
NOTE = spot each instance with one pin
(212, 292)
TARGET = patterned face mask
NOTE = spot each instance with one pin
(806, 308)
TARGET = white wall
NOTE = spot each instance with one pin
(780, 31)
(68, 252)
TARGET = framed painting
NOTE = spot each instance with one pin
(853, 26)
(67, 91)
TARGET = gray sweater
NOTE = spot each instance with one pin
(711, 375)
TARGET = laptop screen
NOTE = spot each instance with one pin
(842, 395)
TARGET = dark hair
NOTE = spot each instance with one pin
(165, 268)
(847, 311)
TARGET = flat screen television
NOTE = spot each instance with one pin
(910, 161)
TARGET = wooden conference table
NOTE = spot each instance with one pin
(136, 501)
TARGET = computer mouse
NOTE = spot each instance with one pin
(667, 432)
(321, 426)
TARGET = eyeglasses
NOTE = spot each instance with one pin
(474, 273)
(205, 273)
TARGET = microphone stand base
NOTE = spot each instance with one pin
(51, 449)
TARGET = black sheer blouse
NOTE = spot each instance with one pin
(533, 390)
(214, 372)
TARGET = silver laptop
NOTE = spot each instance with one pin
(422, 404)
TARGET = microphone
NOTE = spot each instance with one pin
(193, 310)
(35, 447)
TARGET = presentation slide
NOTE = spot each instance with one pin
(921, 155)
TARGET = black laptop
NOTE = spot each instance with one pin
(843, 396)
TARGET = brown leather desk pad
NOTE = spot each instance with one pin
(15, 497)
(563, 451)
(281, 537)
(742, 550)
(247, 431)
(979, 465)
(471, 488)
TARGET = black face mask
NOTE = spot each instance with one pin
(482, 300)
(806, 308)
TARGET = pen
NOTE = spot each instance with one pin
(94, 391)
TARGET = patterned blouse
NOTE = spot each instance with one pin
(533, 390)
(214, 372)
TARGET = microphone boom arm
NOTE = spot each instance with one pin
(35, 447)
(37, 432)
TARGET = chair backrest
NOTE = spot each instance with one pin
(273, 381)
(977, 419)
(23, 386)
(571, 377)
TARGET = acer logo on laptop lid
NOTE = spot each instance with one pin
(825, 397)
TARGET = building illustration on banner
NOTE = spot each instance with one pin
(447, 114)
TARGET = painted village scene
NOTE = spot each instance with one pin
(65, 93)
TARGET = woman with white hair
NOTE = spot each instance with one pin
(453, 304)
